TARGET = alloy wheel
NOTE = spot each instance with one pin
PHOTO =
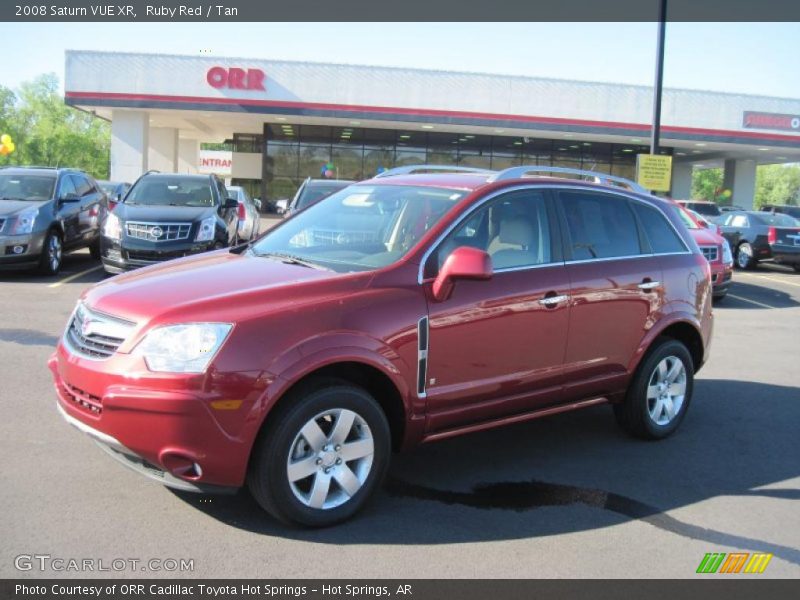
(330, 459)
(666, 390)
(54, 252)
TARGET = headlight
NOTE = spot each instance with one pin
(24, 222)
(206, 231)
(727, 255)
(112, 228)
(187, 348)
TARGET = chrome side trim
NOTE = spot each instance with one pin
(423, 343)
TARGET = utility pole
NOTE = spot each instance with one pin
(656, 127)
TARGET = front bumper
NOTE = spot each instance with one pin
(164, 427)
(31, 245)
(721, 278)
(119, 256)
(785, 254)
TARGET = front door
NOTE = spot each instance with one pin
(496, 347)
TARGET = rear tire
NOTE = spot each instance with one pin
(719, 297)
(94, 250)
(745, 256)
(52, 254)
(659, 393)
(320, 456)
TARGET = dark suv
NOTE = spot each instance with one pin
(165, 216)
(400, 310)
(45, 212)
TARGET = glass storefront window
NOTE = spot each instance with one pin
(282, 158)
(347, 163)
(312, 159)
(409, 157)
(377, 160)
(481, 162)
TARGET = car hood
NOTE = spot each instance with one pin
(705, 237)
(162, 214)
(216, 286)
(11, 207)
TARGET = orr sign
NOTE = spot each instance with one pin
(234, 78)
(775, 121)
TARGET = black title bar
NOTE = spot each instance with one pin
(394, 10)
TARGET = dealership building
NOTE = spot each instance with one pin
(284, 121)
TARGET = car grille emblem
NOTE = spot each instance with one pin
(156, 232)
(86, 327)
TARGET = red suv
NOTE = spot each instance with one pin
(405, 309)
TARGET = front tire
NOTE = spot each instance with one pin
(94, 250)
(659, 393)
(320, 458)
(52, 254)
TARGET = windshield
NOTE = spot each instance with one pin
(687, 220)
(171, 191)
(107, 187)
(313, 193)
(25, 186)
(361, 227)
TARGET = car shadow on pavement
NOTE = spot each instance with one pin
(755, 297)
(572, 472)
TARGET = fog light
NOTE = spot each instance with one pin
(18, 249)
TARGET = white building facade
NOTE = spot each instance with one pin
(285, 121)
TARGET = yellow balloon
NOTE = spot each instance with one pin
(6, 139)
(11, 146)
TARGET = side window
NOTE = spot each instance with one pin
(661, 235)
(513, 229)
(599, 225)
(66, 187)
(739, 221)
(223, 193)
(82, 185)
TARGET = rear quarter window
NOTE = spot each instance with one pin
(659, 232)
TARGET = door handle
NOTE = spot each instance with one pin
(551, 301)
(648, 285)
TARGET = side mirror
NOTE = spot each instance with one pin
(257, 204)
(70, 197)
(230, 203)
(464, 262)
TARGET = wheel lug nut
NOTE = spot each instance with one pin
(338, 461)
(319, 461)
(338, 447)
(327, 470)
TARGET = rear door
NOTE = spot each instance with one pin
(616, 289)
(89, 205)
(496, 347)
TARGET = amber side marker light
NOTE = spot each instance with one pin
(226, 404)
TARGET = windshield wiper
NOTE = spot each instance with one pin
(291, 259)
(13, 198)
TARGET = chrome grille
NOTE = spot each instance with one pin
(94, 335)
(710, 252)
(158, 232)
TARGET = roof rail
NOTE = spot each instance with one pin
(419, 169)
(603, 178)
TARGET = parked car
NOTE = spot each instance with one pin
(786, 209)
(114, 190)
(703, 222)
(763, 236)
(715, 248)
(247, 213)
(45, 212)
(312, 191)
(399, 310)
(731, 208)
(710, 210)
(165, 216)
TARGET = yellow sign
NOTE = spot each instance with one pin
(654, 172)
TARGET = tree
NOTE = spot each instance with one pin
(707, 184)
(777, 184)
(47, 132)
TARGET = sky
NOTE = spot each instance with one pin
(750, 58)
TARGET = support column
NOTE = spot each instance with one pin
(163, 152)
(130, 132)
(188, 155)
(681, 181)
(740, 178)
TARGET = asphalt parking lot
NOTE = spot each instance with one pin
(567, 496)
